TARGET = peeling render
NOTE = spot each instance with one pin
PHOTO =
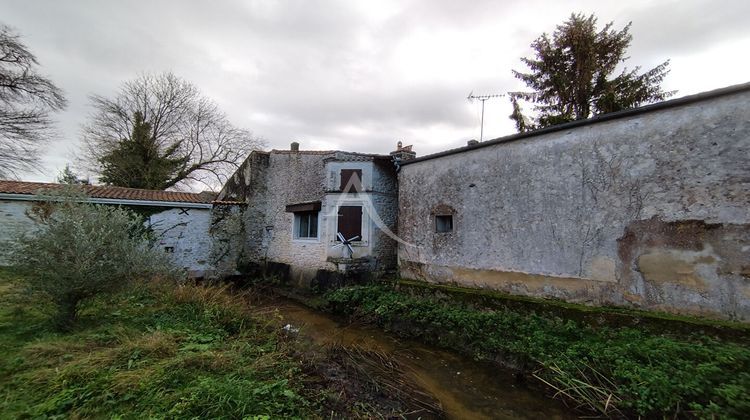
(649, 210)
(269, 183)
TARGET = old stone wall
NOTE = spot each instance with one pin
(269, 181)
(183, 233)
(647, 210)
(15, 220)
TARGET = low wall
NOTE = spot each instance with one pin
(646, 208)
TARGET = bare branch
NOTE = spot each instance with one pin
(181, 119)
(26, 101)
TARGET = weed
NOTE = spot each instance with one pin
(608, 370)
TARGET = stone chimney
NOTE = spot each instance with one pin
(472, 142)
(403, 152)
(295, 146)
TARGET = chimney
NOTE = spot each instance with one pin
(295, 146)
(403, 152)
(472, 142)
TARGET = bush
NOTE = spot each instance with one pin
(83, 250)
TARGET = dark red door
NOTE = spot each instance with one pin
(350, 221)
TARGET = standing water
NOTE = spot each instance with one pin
(465, 388)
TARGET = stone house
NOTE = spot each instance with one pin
(180, 221)
(298, 204)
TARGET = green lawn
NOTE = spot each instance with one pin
(154, 351)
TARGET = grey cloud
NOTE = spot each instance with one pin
(326, 70)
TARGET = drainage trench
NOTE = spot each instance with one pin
(465, 388)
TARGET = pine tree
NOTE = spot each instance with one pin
(571, 75)
(67, 176)
(138, 162)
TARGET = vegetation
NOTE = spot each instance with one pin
(175, 122)
(162, 350)
(622, 370)
(67, 176)
(26, 101)
(139, 162)
(152, 351)
(81, 251)
(571, 75)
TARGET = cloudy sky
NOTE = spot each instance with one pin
(353, 75)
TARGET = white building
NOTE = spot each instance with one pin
(180, 221)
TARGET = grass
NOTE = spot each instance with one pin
(152, 352)
(610, 315)
(621, 370)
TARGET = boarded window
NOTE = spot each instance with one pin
(351, 180)
(306, 225)
(350, 222)
(444, 223)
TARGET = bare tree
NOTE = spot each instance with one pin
(181, 118)
(26, 101)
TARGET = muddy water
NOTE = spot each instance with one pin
(465, 388)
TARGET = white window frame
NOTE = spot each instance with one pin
(333, 224)
(295, 227)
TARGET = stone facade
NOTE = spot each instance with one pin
(184, 234)
(272, 184)
(647, 208)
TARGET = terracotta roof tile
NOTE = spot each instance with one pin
(103, 191)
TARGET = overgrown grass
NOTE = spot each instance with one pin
(151, 352)
(622, 370)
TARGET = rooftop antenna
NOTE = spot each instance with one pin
(482, 98)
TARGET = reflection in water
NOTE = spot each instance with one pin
(465, 388)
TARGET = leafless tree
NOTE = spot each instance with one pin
(181, 117)
(26, 101)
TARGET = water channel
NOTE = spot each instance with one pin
(466, 389)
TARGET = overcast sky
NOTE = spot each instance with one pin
(353, 75)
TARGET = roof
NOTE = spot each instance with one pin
(685, 100)
(327, 152)
(109, 193)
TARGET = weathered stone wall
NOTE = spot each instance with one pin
(183, 232)
(648, 210)
(186, 233)
(227, 232)
(14, 221)
(268, 182)
(295, 178)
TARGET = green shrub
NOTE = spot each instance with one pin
(83, 250)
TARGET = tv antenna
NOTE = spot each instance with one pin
(484, 99)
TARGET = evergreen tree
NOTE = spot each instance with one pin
(571, 75)
(67, 176)
(139, 162)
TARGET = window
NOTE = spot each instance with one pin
(306, 225)
(350, 222)
(169, 249)
(351, 180)
(444, 223)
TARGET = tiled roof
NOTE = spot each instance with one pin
(116, 193)
(302, 152)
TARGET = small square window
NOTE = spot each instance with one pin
(444, 223)
(169, 249)
(351, 180)
(306, 225)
